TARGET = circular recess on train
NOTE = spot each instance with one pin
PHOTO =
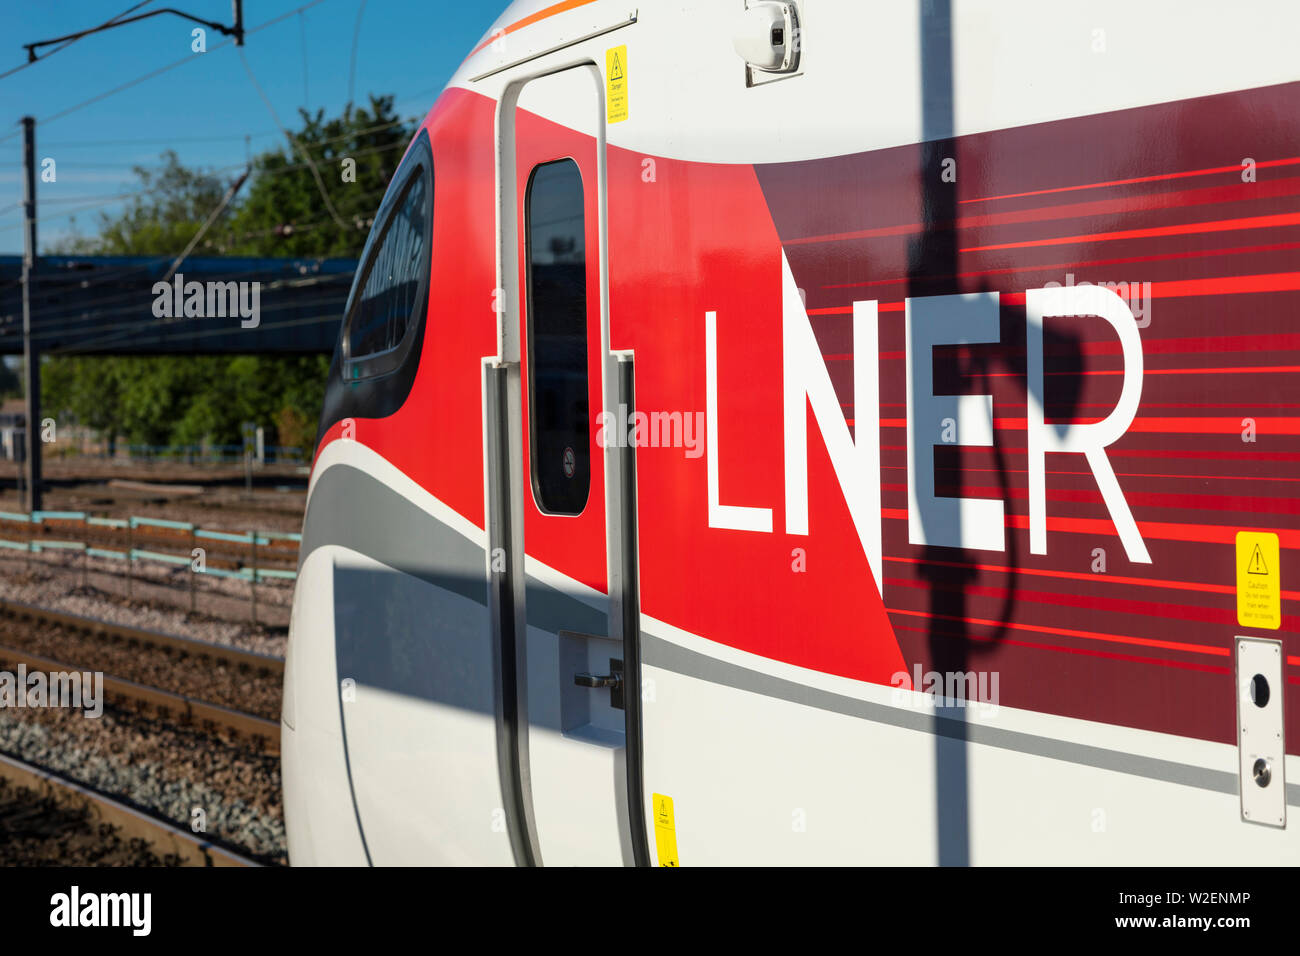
(1263, 772)
(1259, 690)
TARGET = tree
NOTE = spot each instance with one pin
(11, 384)
(166, 400)
(161, 219)
(283, 212)
(86, 389)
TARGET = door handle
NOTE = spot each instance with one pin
(598, 680)
(613, 680)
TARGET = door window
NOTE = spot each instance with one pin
(559, 416)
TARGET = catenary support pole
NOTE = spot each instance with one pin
(31, 355)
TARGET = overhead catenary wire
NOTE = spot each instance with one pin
(302, 32)
(140, 324)
(78, 318)
(137, 317)
(109, 321)
(154, 140)
(236, 31)
(212, 217)
(160, 70)
(71, 40)
(126, 329)
(144, 141)
(64, 213)
(352, 66)
(281, 171)
(293, 141)
(67, 319)
(63, 321)
(292, 167)
(268, 326)
(57, 200)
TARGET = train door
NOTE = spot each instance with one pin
(568, 513)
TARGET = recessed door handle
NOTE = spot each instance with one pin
(598, 680)
(613, 680)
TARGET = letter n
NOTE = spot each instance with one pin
(807, 383)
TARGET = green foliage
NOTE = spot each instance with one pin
(278, 212)
(185, 400)
(161, 218)
(11, 383)
(88, 388)
(284, 214)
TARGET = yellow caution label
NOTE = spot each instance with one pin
(1259, 588)
(616, 88)
(665, 830)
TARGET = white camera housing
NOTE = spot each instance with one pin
(767, 37)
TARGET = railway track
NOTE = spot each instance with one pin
(190, 727)
(265, 663)
(182, 654)
(45, 817)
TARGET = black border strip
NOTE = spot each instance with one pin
(631, 629)
(502, 605)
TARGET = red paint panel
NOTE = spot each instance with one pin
(1150, 200)
(714, 249)
(573, 544)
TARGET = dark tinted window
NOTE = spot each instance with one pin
(378, 385)
(393, 293)
(557, 338)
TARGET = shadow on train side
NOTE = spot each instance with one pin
(933, 266)
(424, 631)
(421, 633)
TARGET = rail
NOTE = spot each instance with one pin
(176, 706)
(186, 709)
(190, 645)
(166, 839)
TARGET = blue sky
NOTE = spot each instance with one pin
(203, 108)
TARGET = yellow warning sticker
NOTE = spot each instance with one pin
(616, 88)
(1259, 589)
(665, 830)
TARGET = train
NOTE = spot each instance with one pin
(817, 432)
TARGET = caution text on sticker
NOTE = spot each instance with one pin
(1259, 588)
(665, 829)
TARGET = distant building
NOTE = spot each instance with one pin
(13, 428)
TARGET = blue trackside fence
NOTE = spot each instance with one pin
(57, 533)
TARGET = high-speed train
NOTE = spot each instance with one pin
(818, 432)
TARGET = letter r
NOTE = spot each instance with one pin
(1089, 440)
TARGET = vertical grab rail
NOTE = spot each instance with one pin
(630, 616)
(505, 541)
